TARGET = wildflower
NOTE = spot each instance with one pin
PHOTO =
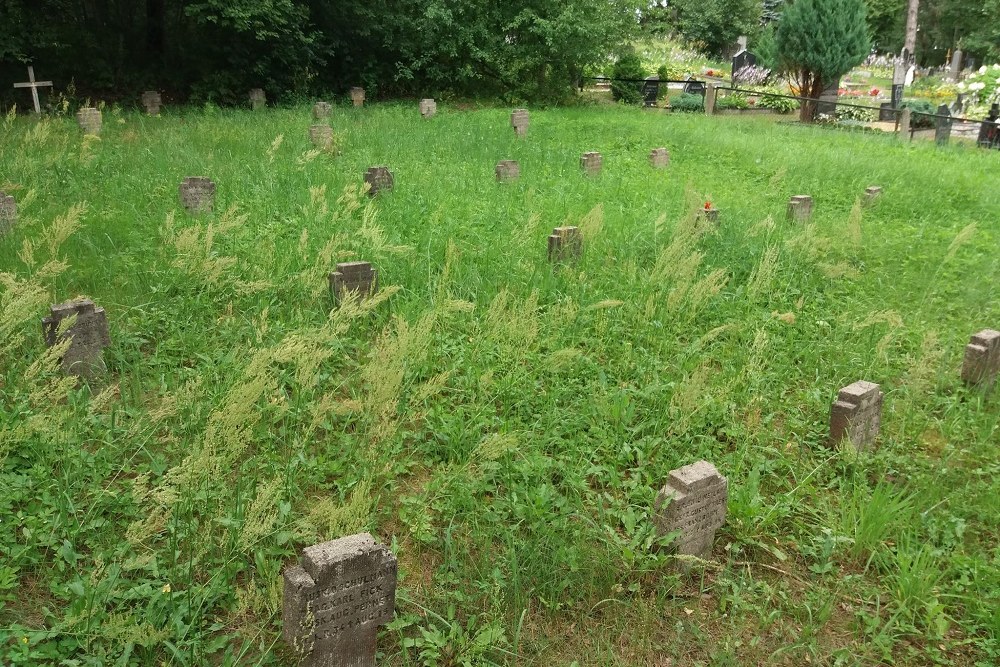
(982, 70)
(708, 206)
(24, 640)
(978, 85)
(165, 589)
(874, 92)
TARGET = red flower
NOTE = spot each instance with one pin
(708, 206)
(874, 92)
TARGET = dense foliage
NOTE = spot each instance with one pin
(715, 25)
(627, 73)
(218, 49)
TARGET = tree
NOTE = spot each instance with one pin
(818, 42)
(629, 68)
(715, 25)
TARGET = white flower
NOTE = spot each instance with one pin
(978, 85)
(982, 70)
(961, 86)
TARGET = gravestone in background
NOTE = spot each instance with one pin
(321, 110)
(321, 136)
(508, 170)
(982, 358)
(693, 87)
(88, 337)
(872, 192)
(565, 243)
(650, 91)
(591, 163)
(942, 127)
(800, 207)
(955, 71)
(335, 601)
(258, 100)
(989, 130)
(152, 101)
(692, 503)
(428, 107)
(519, 121)
(827, 105)
(379, 179)
(89, 120)
(197, 194)
(659, 158)
(349, 277)
(857, 414)
(358, 96)
(8, 212)
(741, 61)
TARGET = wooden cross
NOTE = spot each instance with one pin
(34, 85)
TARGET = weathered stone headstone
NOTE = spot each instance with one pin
(321, 136)
(872, 192)
(692, 503)
(982, 358)
(258, 100)
(905, 117)
(827, 104)
(591, 163)
(88, 337)
(710, 94)
(650, 91)
(741, 61)
(89, 120)
(349, 277)
(321, 110)
(659, 158)
(358, 96)
(379, 179)
(565, 243)
(8, 212)
(857, 414)
(943, 123)
(335, 601)
(800, 207)
(197, 194)
(956, 65)
(508, 170)
(152, 101)
(519, 121)
(428, 107)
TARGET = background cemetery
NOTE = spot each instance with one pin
(350, 380)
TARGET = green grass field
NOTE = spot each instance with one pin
(502, 424)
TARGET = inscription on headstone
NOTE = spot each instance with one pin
(508, 170)
(692, 503)
(519, 121)
(428, 107)
(800, 207)
(197, 194)
(8, 212)
(349, 277)
(152, 101)
(659, 158)
(258, 100)
(565, 243)
(335, 601)
(321, 136)
(942, 128)
(89, 120)
(379, 179)
(88, 336)
(982, 358)
(857, 414)
(321, 110)
(650, 91)
(358, 96)
(591, 163)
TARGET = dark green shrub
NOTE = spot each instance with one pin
(779, 104)
(732, 101)
(628, 67)
(919, 107)
(864, 115)
(688, 103)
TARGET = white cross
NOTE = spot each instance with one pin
(34, 85)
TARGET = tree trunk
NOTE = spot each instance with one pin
(911, 27)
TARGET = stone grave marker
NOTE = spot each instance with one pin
(982, 358)
(197, 194)
(152, 101)
(34, 85)
(591, 163)
(956, 65)
(428, 107)
(693, 503)
(358, 277)
(8, 212)
(89, 120)
(334, 601)
(321, 110)
(508, 170)
(709, 212)
(710, 95)
(321, 136)
(905, 117)
(258, 100)
(565, 243)
(800, 207)
(358, 96)
(693, 87)
(872, 192)
(741, 61)
(827, 104)
(650, 91)
(857, 414)
(659, 158)
(519, 121)
(379, 179)
(942, 126)
(88, 337)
